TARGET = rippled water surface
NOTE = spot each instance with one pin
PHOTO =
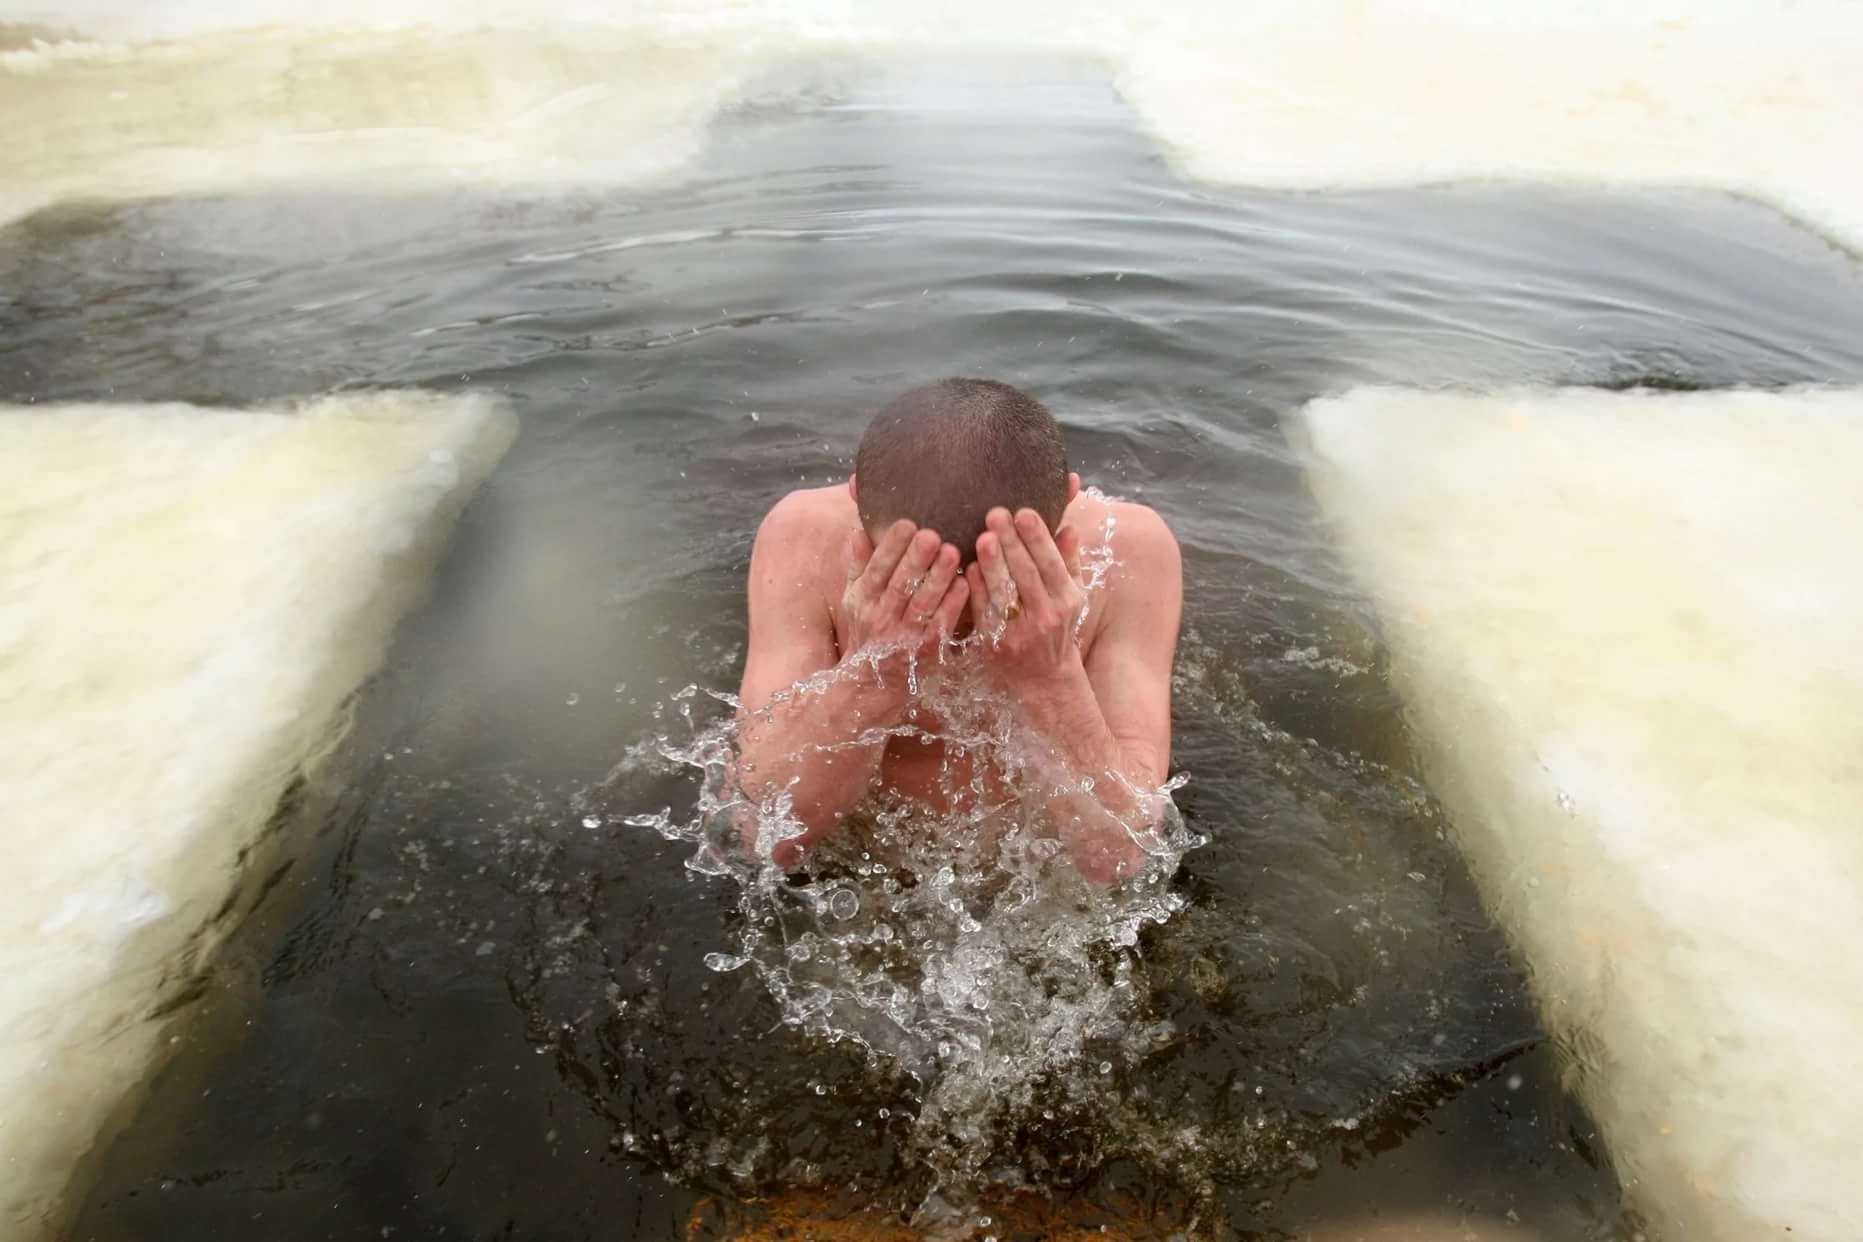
(471, 1007)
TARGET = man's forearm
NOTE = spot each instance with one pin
(824, 747)
(1098, 826)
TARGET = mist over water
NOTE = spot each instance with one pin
(466, 1009)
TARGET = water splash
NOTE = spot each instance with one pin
(958, 942)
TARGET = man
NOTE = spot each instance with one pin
(962, 518)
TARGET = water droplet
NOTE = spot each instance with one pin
(591, 821)
(910, 934)
(572, 698)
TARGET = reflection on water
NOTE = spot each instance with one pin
(481, 1015)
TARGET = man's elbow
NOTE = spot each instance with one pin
(768, 829)
(1122, 848)
(784, 846)
(1111, 860)
(1107, 866)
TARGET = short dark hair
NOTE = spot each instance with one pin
(946, 453)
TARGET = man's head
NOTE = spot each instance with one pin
(945, 454)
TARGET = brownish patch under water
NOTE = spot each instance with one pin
(807, 1217)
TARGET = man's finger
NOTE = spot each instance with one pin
(930, 595)
(952, 606)
(921, 550)
(999, 586)
(979, 596)
(1029, 586)
(1068, 541)
(885, 558)
(859, 552)
(1042, 550)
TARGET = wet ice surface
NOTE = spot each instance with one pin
(466, 1010)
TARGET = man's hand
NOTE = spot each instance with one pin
(1107, 729)
(904, 596)
(1025, 591)
(822, 749)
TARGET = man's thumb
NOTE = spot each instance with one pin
(1068, 542)
(859, 552)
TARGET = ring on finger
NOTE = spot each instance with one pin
(1012, 610)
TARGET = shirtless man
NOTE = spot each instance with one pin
(962, 516)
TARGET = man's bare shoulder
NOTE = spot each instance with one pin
(808, 523)
(806, 532)
(1144, 550)
(1148, 568)
(810, 509)
(1140, 527)
(1144, 585)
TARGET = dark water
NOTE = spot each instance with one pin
(465, 1014)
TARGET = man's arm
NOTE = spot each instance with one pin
(823, 742)
(1107, 718)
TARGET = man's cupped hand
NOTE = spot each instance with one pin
(904, 595)
(1026, 594)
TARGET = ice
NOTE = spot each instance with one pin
(191, 596)
(1626, 628)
